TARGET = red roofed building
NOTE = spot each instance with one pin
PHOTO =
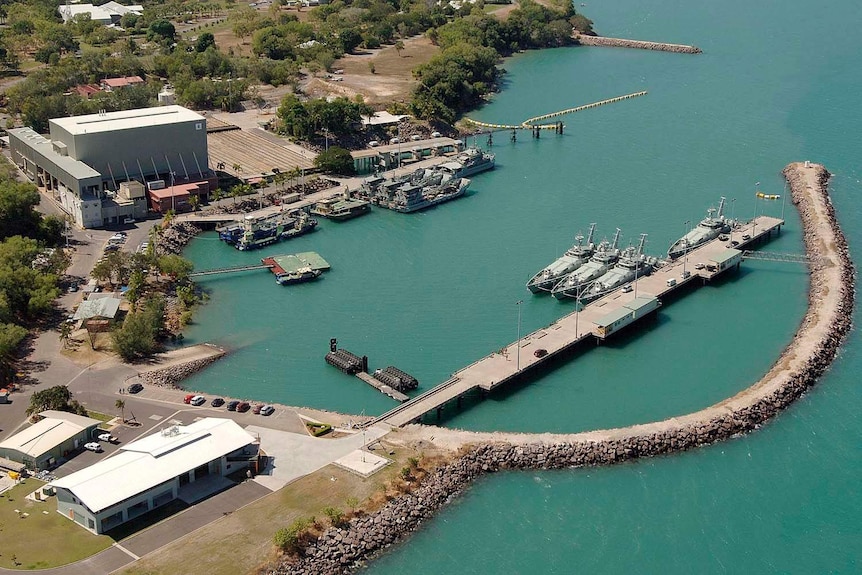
(87, 90)
(110, 84)
(177, 197)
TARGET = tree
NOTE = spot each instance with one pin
(175, 266)
(194, 202)
(138, 336)
(335, 160)
(121, 405)
(11, 336)
(399, 47)
(65, 333)
(205, 41)
(55, 398)
(161, 29)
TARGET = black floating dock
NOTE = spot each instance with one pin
(395, 378)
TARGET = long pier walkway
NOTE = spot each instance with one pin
(531, 122)
(515, 359)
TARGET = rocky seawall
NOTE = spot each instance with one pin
(176, 237)
(172, 376)
(815, 345)
(639, 44)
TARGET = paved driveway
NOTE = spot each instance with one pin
(292, 455)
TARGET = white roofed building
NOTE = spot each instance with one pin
(46, 442)
(87, 159)
(153, 471)
(108, 13)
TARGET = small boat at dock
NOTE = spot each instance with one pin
(577, 282)
(340, 209)
(301, 275)
(709, 228)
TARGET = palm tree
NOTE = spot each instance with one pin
(216, 195)
(121, 405)
(235, 192)
(237, 169)
(194, 201)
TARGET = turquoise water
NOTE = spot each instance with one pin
(431, 292)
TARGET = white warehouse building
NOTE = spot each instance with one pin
(97, 166)
(153, 471)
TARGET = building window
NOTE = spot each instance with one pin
(198, 126)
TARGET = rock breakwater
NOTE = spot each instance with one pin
(585, 40)
(815, 345)
(171, 376)
(173, 239)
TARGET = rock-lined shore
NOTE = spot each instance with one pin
(172, 375)
(176, 237)
(816, 343)
(585, 40)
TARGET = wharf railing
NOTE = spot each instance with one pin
(782, 257)
(231, 270)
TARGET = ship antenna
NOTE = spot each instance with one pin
(616, 239)
(721, 207)
(641, 245)
(590, 237)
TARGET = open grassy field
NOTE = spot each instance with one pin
(41, 540)
(242, 541)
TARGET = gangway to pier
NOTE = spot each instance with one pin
(232, 269)
(780, 257)
(700, 265)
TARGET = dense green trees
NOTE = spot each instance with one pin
(138, 336)
(335, 160)
(465, 71)
(57, 398)
(307, 119)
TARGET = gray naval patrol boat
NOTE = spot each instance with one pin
(575, 257)
(631, 265)
(576, 283)
(708, 229)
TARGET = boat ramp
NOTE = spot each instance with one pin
(598, 320)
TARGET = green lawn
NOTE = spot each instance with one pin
(41, 540)
(100, 416)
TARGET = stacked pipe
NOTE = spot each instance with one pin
(396, 379)
(345, 361)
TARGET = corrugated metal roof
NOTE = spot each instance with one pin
(153, 460)
(47, 433)
(44, 147)
(127, 119)
(102, 307)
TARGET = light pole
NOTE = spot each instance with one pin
(173, 206)
(577, 308)
(685, 251)
(518, 303)
(399, 143)
(732, 221)
(754, 221)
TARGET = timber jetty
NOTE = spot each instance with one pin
(585, 40)
(598, 320)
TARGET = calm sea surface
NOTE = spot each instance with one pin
(431, 292)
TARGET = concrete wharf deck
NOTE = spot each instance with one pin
(515, 359)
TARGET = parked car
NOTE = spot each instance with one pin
(118, 237)
(136, 388)
(257, 409)
(93, 446)
(435, 134)
(415, 137)
(198, 400)
(112, 248)
(243, 407)
(232, 405)
(107, 437)
(540, 352)
(217, 402)
(267, 410)
(188, 398)
(73, 287)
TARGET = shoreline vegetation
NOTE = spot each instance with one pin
(344, 547)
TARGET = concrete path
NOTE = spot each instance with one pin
(294, 456)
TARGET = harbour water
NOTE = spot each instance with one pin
(431, 292)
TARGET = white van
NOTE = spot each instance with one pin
(671, 282)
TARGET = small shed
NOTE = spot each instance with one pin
(104, 307)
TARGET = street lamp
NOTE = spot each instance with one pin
(173, 207)
(732, 220)
(754, 221)
(685, 251)
(518, 303)
(577, 308)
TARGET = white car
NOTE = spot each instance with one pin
(267, 410)
(93, 446)
(435, 134)
(107, 437)
(198, 400)
(118, 237)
